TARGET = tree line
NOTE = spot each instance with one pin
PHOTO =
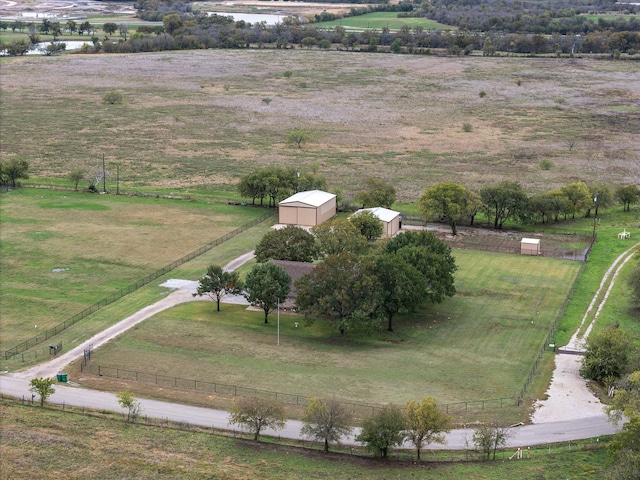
(507, 201)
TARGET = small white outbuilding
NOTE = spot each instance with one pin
(530, 246)
(390, 219)
(308, 208)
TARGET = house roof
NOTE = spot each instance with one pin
(295, 270)
(383, 214)
(314, 198)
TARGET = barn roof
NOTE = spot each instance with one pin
(313, 198)
(381, 213)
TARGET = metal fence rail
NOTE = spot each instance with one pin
(27, 344)
(168, 381)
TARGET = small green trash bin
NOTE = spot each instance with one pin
(63, 377)
(59, 377)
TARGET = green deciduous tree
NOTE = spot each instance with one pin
(447, 201)
(383, 431)
(579, 197)
(606, 355)
(369, 226)
(326, 420)
(43, 387)
(340, 289)
(488, 437)
(337, 236)
(109, 28)
(627, 194)
(426, 423)
(376, 193)
(288, 243)
(76, 175)
(625, 447)
(431, 257)
(266, 285)
(127, 400)
(601, 195)
(298, 137)
(12, 171)
(504, 201)
(253, 415)
(402, 286)
(217, 283)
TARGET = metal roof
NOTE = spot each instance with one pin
(383, 214)
(314, 198)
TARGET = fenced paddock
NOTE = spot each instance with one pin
(565, 245)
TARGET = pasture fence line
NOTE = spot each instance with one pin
(510, 246)
(168, 381)
(550, 334)
(53, 331)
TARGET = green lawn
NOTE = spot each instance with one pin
(64, 251)
(380, 20)
(478, 345)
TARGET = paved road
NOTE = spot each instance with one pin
(523, 436)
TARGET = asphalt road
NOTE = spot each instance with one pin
(522, 436)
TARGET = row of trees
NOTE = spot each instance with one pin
(454, 203)
(276, 183)
(328, 421)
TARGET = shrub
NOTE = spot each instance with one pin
(546, 164)
(111, 98)
(467, 127)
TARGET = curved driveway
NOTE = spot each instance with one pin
(17, 385)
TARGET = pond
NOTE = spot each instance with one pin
(40, 47)
(267, 18)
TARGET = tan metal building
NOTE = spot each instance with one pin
(530, 246)
(390, 219)
(307, 208)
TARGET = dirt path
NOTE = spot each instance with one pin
(569, 395)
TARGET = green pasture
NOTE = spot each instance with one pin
(596, 17)
(380, 20)
(64, 251)
(478, 345)
(38, 443)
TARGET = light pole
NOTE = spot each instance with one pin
(595, 214)
(278, 320)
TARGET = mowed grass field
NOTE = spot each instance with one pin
(64, 251)
(380, 20)
(195, 121)
(477, 345)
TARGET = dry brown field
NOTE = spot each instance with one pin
(200, 119)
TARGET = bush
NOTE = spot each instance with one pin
(467, 127)
(111, 98)
(546, 164)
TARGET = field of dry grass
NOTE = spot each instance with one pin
(199, 119)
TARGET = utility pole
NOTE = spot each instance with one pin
(104, 176)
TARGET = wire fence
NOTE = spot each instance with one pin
(52, 332)
(511, 245)
(550, 336)
(210, 387)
